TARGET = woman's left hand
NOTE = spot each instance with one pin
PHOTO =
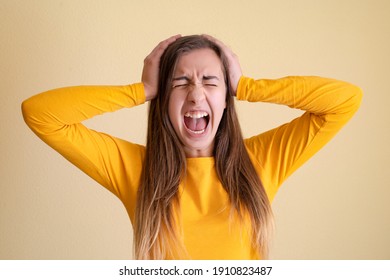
(235, 71)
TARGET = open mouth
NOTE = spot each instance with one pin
(196, 121)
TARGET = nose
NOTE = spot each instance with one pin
(196, 93)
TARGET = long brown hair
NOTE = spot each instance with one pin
(156, 232)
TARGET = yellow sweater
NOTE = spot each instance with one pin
(56, 116)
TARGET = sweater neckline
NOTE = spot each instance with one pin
(200, 161)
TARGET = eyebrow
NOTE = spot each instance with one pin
(210, 78)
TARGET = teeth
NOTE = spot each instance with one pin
(197, 131)
(196, 115)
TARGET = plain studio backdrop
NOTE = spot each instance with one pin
(334, 207)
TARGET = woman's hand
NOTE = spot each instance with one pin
(235, 72)
(151, 68)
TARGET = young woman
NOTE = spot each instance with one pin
(197, 190)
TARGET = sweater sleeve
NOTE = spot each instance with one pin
(328, 105)
(55, 117)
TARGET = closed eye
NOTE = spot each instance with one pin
(180, 85)
(180, 82)
(184, 82)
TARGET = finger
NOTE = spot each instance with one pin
(225, 49)
(161, 47)
(215, 40)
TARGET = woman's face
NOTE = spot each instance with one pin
(197, 101)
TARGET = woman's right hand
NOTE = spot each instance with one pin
(151, 68)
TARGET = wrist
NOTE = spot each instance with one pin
(149, 95)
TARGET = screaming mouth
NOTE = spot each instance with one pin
(196, 121)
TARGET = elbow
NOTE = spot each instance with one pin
(29, 111)
(349, 100)
(26, 110)
(356, 97)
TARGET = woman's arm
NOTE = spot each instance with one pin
(328, 105)
(56, 116)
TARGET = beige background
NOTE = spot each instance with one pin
(335, 207)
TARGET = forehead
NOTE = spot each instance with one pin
(199, 62)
